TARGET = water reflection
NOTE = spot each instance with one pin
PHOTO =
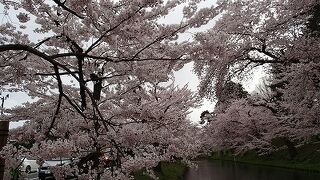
(228, 170)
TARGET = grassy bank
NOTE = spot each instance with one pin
(165, 171)
(307, 158)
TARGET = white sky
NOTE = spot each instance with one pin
(182, 77)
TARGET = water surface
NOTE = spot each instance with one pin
(228, 170)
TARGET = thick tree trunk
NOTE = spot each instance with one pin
(4, 129)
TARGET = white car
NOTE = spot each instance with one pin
(29, 165)
(45, 172)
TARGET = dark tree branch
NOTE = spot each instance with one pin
(53, 74)
(74, 44)
(93, 45)
(56, 70)
(79, 55)
(240, 70)
(179, 58)
(74, 54)
(262, 61)
(103, 78)
(265, 61)
(288, 20)
(63, 6)
(74, 106)
(273, 110)
(79, 50)
(45, 40)
(82, 83)
(108, 59)
(30, 49)
(44, 56)
(159, 39)
(264, 51)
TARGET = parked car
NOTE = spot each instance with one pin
(45, 173)
(29, 165)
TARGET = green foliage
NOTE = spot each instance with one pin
(27, 144)
(139, 175)
(15, 173)
(165, 171)
(277, 142)
(290, 151)
(172, 171)
(307, 158)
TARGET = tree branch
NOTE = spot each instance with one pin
(63, 6)
(159, 39)
(108, 59)
(53, 74)
(93, 45)
(264, 51)
(56, 70)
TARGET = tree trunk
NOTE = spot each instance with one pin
(4, 129)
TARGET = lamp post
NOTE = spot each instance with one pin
(4, 130)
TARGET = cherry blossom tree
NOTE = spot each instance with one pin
(239, 122)
(282, 35)
(97, 70)
(241, 127)
(237, 43)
